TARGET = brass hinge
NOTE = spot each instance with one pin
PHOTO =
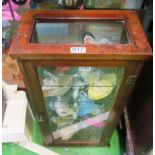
(131, 79)
(40, 117)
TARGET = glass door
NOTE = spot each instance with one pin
(79, 100)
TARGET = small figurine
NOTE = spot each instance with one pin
(88, 38)
(63, 109)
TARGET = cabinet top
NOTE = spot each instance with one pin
(80, 34)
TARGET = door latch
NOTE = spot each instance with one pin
(131, 79)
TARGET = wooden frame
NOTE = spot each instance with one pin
(129, 56)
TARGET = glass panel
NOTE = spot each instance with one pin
(79, 100)
(79, 32)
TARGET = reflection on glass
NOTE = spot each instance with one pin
(102, 32)
(79, 100)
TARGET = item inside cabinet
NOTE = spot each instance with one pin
(78, 100)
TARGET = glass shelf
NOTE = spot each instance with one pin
(79, 32)
(79, 100)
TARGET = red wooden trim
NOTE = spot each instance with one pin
(139, 49)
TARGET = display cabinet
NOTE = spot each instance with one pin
(79, 68)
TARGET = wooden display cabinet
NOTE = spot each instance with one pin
(79, 68)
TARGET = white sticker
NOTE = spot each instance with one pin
(87, 69)
(78, 50)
